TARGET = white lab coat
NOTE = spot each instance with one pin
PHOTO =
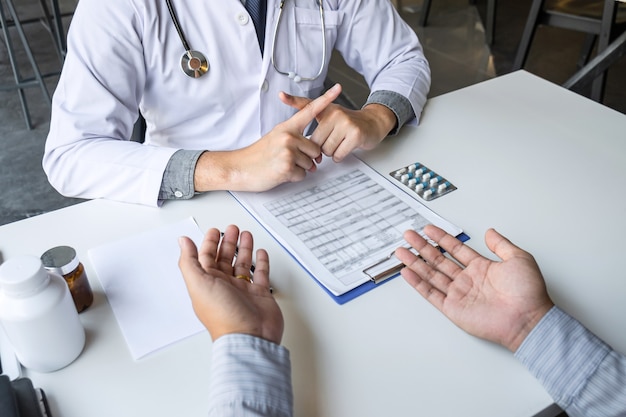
(124, 55)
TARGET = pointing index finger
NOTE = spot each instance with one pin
(302, 118)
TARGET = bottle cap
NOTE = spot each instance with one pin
(22, 276)
(60, 260)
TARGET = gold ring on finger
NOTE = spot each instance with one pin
(245, 278)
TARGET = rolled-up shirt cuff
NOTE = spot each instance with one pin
(397, 103)
(177, 183)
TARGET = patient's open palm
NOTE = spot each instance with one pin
(499, 301)
(222, 294)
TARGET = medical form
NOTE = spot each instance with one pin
(341, 220)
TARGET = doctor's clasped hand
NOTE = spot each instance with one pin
(341, 130)
(283, 155)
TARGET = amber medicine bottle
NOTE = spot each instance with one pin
(62, 260)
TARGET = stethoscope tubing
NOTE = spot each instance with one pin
(297, 78)
(176, 22)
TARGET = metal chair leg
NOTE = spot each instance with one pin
(50, 24)
(490, 26)
(16, 73)
(20, 83)
(598, 65)
(424, 13)
(527, 35)
(58, 25)
(586, 51)
(608, 17)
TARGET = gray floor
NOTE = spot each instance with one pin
(454, 43)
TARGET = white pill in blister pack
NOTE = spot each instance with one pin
(423, 181)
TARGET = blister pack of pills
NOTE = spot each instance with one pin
(423, 181)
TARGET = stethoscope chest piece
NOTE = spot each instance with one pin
(194, 64)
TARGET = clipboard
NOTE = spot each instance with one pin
(341, 224)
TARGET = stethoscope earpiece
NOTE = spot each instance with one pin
(295, 77)
(194, 64)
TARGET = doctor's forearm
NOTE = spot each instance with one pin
(278, 157)
(218, 171)
(189, 172)
(383, 118)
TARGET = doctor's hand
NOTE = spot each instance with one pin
(222, 298)
(498, 301)
(341, 130)
(283, 155)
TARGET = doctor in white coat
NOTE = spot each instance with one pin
(232, 127)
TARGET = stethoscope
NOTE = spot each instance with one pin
(195, 64)
(291, 74)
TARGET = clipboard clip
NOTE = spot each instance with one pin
(389, 266)
(384, 269)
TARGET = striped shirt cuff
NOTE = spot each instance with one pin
(563, 355)
(250, 376)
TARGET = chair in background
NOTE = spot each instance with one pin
(52, 21)
(598, 65)
(597, 18)
(55, 22)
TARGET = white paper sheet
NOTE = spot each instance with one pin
(145, 288)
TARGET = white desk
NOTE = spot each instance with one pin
(556, 164)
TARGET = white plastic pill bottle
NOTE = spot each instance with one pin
(38, 315)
